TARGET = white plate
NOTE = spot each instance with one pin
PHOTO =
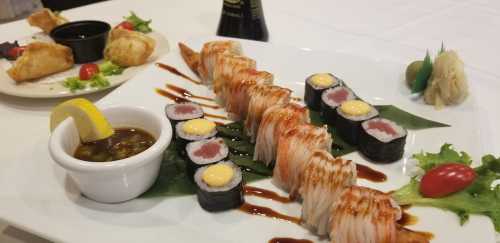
(51, 86)
(45, 201)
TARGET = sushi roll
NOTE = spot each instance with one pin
(183, 112)
(237, 97)
(226, 65)
(275, 121)
(331, 99)
(193, 130)
(261, 98)
(208, 56)
(350, 115)
(327, 176)
(295, 148)
(382, 140)
(364, 215)
(315, 85)
(219, 186)
(205, 152)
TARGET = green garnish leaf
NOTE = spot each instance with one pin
(447, 154)
(138, 23)
(478, 198)
(442, 48)
(406, 119)
(423, 75)
(99, 81)
(74, 84)
(108, 68)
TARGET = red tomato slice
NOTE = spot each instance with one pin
(446, 179)
(126, 25)
(16, 51)
(88, 70)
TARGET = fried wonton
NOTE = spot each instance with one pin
(128, 48)
(46, 20)
(40, 59)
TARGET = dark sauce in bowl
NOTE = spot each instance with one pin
(124, 143)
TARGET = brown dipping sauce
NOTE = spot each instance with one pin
(370, 174)
(124, 143)
(288, 240)
(267, 212)
(176, 72)
(259, 192)
(186, 93)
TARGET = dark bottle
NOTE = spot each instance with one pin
(243, 19)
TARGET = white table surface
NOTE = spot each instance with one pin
(387, 29)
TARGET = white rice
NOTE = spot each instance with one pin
(332, 103)
(172, 115)
(232, 184)
(381, 135)
(194, 146)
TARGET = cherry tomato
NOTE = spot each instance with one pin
(16, 52)
(446, 179)
(88, 70)
(126, 25)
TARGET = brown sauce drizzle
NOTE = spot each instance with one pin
(176, 72)
(370, 174)
(217, 116)
(288, 240)
(406, 218)
(178, 99)
(413, 236)
(267, 212)
(185, 93)
(259, 192)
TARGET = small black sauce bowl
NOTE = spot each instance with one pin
(86, 39)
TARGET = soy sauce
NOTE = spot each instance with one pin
(243, 19)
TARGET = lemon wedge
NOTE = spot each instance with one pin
(90, 122)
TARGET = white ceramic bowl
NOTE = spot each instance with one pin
(120, 180)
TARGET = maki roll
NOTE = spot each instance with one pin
(382, 140)
(219, 186)
(183, 112)
(205, 152)
(193, 130)
(315, 85)
(350, 115)
(331, 99)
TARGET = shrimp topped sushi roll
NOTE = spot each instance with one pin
(226, 66)
(262, 97)
(331, 99)
(382, 140)
(322, 181)
(183, 112)
(237, 89)
(208, 56)
(205, 152)
(275, 121)
(219, 186)
(315, 85)
(295, 148)
(363, 215)
(193, 130)
(350, 115)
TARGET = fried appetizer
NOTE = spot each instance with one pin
(128, 48)
(46, 20)
(323, 179)
(40, 59)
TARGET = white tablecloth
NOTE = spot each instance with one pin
(387, 29)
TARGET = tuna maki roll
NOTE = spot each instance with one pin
(205, 152)
(350, 115)
(331, 99)
(219, 186)
(183, 112)
(382, 140)
(193, 130)
(315, 85)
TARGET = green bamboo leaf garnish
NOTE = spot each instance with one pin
(405, 119)
(423, 75)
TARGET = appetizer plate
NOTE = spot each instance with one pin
(51, 86)
(37, 195)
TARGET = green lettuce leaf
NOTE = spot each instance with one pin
(478, 198)
(428, 161)
(138, 23)
(108, 68)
